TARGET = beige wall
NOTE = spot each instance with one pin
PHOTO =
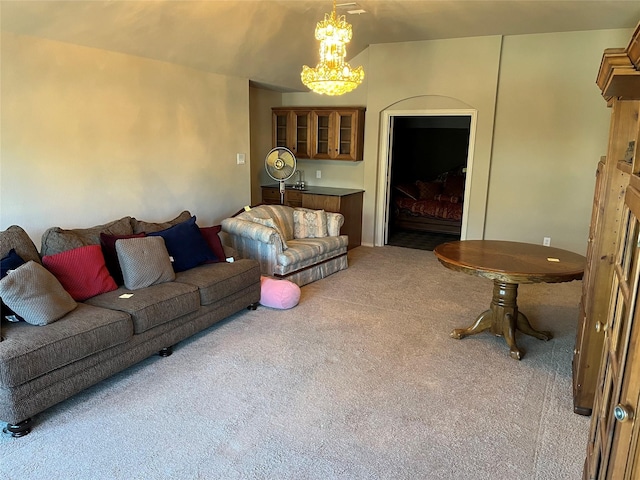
(89, 136)
(551, 129)
(261, 101)
(541, 126)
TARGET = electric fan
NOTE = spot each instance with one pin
(280, 164)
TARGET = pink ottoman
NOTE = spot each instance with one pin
(280, 294)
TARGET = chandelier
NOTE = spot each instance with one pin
(332, 76)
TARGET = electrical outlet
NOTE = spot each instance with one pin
(546, 241)
(240, 158)
(318, 174)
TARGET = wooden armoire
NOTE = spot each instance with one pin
(606, 364)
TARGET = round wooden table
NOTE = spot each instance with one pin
(508, 264)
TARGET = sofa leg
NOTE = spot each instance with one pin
(253, 306)
(19, 429)
(165, 352)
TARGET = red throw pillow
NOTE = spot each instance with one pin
(81, 271)
(210, 234)
(108, 243)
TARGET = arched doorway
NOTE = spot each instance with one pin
(388, 123)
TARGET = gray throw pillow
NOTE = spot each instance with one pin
(144, 262)
(33, 293)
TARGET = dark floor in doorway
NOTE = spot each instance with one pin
(419, 240)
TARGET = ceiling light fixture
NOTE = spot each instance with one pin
(332, 76)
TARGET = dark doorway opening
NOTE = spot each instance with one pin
(427, 177)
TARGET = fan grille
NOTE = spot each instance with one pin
(280, 163)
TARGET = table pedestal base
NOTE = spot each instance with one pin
(503, 318)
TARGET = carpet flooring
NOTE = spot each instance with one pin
(359, 381)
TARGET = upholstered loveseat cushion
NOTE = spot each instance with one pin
(219, 280)
(29, 352)
(307, 251)
(151, 306)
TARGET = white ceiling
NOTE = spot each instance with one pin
(268, 41)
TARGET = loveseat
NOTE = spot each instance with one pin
(296, 244)
(62, 345)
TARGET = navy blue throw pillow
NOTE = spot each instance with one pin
(10, 262)
(186, 245)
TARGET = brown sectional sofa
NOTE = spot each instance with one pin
(43, 365)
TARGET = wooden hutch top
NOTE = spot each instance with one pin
(619, 74)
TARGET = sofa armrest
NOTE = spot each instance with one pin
(244, 231)
(250, 230)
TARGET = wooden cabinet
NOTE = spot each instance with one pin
(322, 133)
(613, 450)
(348, 202)
(348, 205)
(271, 196)
(595, 297)
(292, 129)
(338, 134)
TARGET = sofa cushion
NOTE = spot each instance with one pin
(29, 352)
(140, 226)
(219, 280)
(56, 239)
(212, 237)
(308, 249)
(151, 306)
(81, 271)
(108, 244)
(144, 262)
(186, 245)
(309, 223)
(16, 238)
(34, 294)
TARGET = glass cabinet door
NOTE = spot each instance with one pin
(302, 142)
(292, 129)
(323, 138)
(345, 137)
(280, 126)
